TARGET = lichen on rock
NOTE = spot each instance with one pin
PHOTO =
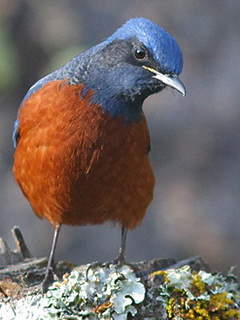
(188, 294)
(101, 293)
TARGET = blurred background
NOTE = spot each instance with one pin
(195, 140)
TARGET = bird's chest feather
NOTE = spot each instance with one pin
(72, 154)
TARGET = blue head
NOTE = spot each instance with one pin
(139, 59)
(160, 45)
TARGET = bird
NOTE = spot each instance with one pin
(81, 138)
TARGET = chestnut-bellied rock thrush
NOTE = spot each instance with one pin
(81, 137)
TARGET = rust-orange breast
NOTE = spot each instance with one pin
(78, 165)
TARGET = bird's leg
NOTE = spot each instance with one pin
(121, 256)
(48, 280)
(119, 261)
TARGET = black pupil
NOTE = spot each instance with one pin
(140, 53)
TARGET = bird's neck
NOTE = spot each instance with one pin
(118, 105)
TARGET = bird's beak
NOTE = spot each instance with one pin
(171, 81)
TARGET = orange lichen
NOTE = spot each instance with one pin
(101, 308)
(199, 295)
(202, 309)
(198, 286)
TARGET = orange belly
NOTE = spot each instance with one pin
(78, 165)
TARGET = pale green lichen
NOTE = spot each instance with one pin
(199, 295)
(104, 293)
(112, 293)
(108, 293)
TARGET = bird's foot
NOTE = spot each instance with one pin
(120, 260)
(48, 280)
(118, 263)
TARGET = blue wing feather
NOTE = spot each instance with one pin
(15, 135)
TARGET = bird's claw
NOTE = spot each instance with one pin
(120, 260)
(47, 281)
(118, 263)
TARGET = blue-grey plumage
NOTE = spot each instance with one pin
(120, 77)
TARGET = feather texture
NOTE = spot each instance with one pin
(76, 164)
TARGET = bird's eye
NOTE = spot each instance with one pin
(140, 53)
